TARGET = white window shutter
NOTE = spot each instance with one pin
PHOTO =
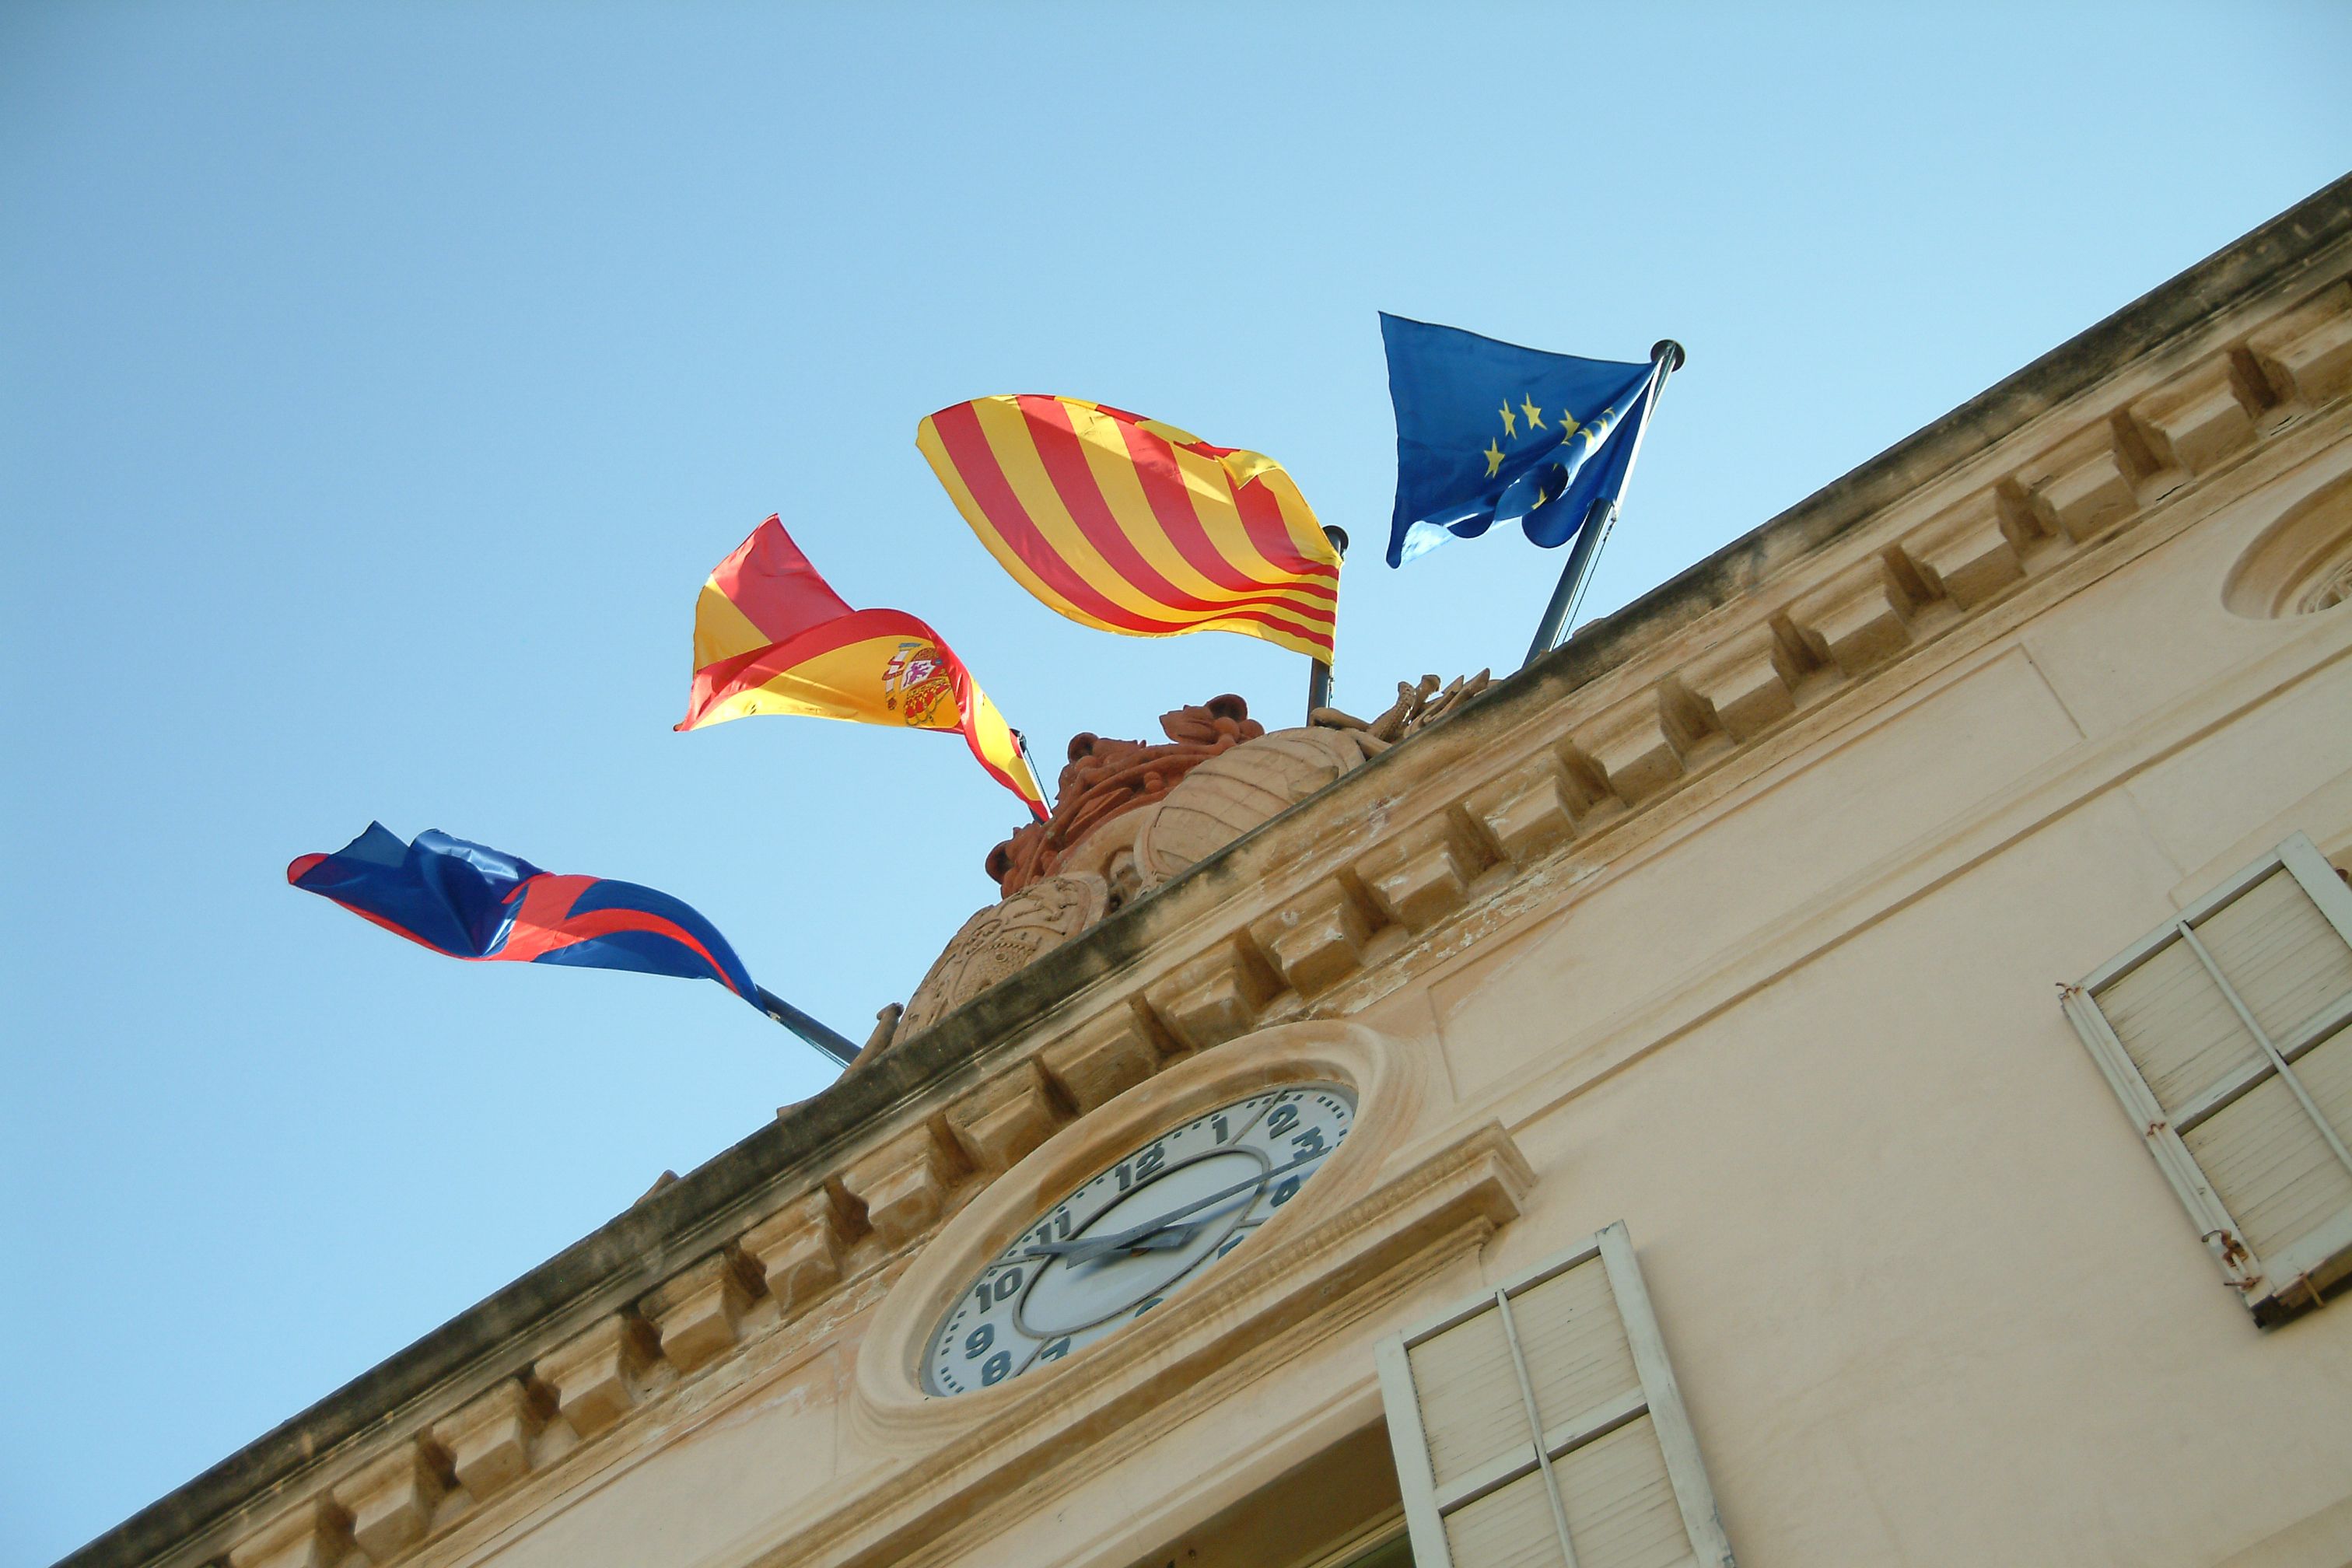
(1539, 1426)
(2227, 1033)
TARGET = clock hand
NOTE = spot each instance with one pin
(1086, 1249)
(1083, 1248)
(1164, 1234)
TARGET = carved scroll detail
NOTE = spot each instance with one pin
(1226, 796)
(1001, 939)
(1106, 778)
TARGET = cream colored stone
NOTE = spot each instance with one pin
(594, 1373)
(1004, 1118)
(1424, 873)
(1631, 934)
(798, 1251)
(2322, 1540)
(1234, 793)
(1638, 745)
(2301, 563)
(1859, 619)
(311, 1535)
(1968, 555)
(748, 1474)
(904, 1182)
(1529, 810)
(2307, 354)
(1317, 938)
(1109, 1054)
(2196, 420)
(390, 1501)
(2082, 484)
(1748, 683)
(489, 1440)
(1001, 939)
(1105, 849)
(1210, 999)
(697, 1313)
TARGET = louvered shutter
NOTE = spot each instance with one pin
(1539, 1426)
(2225, 1033)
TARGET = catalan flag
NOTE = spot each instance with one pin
(772, 637)
(1130, 526)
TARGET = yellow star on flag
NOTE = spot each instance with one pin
(1494, 455)
(1510, 425)
(1535, 414)
(1567, 426)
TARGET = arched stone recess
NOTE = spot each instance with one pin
(2301, 563)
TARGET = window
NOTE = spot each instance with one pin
(1335, 1509)
(2224, 1032)
(1539, 1425)
(1386, 1547)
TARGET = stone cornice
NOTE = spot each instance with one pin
(2054, 464)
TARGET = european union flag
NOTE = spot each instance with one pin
(1489, 431)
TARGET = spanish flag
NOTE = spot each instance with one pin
(1130, 526)
(772, 637)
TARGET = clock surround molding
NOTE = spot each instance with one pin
(1391, 1205)
(1389, 1078)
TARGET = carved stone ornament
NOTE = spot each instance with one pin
(1001, 939)
(1107, 778)
(1227, 796)
(1418, 705)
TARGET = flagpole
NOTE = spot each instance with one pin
(841, 1050)
(1021, 739)
(1318, 672)
(1667, 357)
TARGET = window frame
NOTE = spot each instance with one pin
(1659, 1398)
(2291, 1279)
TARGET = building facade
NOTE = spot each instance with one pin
(1849, 1060)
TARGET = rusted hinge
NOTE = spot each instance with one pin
(2234, 1259)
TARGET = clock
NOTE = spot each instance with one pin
(1134, 1233)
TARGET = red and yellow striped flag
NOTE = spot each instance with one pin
(1134, 526)
(772, 637)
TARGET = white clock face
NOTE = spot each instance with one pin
(1136, 1233)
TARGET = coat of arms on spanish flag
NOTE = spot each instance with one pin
(772, 637)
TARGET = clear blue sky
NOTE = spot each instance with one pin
(377, 385)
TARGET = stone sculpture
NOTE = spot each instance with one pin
(1107, 778)
(1417, 707)
(1131, 815)
(1226, 796)
(999, 940)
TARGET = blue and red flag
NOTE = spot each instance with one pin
(471, 901)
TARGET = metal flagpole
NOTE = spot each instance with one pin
(1668, 355)
(806, 1027)
(1319, 672)
(1021, 739)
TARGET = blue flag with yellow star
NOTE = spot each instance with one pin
(1491, 432)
